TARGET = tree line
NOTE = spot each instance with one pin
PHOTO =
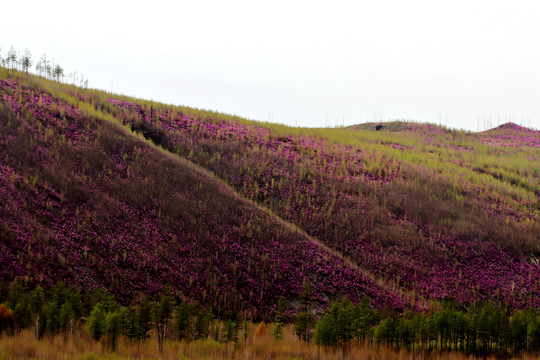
(62, 310)
(479, 330)
(44, 67)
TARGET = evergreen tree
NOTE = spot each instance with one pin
(96, 321)
(342, 312)
(66, 317)
(238, 323)
(277, 333)
(518, 331)
(338, 326)
(202, 324)
(16, 293)
(182, 320)
(144, 319)
(229, 331)
(386, 331)
(161, 313)
(280, 311)
(21, 314)
(42, 323)
(113, 327)
(365, 319)
(246, 329)
(130, 323)
(533, 332)
(304, 319)
(53, 317)
(37, 301)
(325, 332)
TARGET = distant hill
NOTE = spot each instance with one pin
(134, 196)
(397, 126)
(511, 134)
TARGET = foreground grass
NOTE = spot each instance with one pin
(80, 346)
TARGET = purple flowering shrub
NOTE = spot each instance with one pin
(399, 222)
(86, 202)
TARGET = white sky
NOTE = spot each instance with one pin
(305, 63)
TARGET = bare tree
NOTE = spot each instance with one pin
(58, 72)
(12, 58)
(26, 61)
(43, 67)
(39, 68)
(48, 69)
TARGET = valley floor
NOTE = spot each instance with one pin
(80, 346)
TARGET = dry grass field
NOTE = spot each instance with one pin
(80, 346)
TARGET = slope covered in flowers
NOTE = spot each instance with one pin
(419, 210)
(85, 201)
(423, 208)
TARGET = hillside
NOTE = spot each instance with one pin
(87, 202)
(236, 213)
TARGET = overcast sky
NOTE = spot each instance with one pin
(304, 63)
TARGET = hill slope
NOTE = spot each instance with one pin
(419, 211)
(437, 212)
(87, 202)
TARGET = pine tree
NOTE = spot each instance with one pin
(53, 317)
(305, 320)
(37, 300)
(16, 293)
(113, 327)
(238, 322)
(246, 329)
(21, 313)
(144, 319)
(229, 331)
(161, 313)
(280, 311)
(96, 321)
(130, 323)
(277, 333)
(365, 319)
(182, 320)
(533, 332)
(325, 333)
(66, 316)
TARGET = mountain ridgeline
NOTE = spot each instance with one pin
(105, 191)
